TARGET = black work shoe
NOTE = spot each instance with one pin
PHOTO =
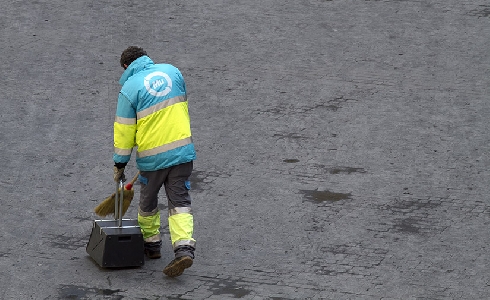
(152, 249)
(153, 254)
(177, 266)
(184, 251)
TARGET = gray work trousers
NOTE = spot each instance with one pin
(176, 182)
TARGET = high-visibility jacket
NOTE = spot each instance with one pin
(152, 114)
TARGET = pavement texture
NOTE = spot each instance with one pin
(342, 147)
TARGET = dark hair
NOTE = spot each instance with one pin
(131, 54)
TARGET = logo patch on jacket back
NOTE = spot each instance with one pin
(158, 84)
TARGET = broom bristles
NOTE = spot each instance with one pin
(107, 206)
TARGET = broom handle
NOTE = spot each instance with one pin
(130, 184)
(120, 198)
(119, 202)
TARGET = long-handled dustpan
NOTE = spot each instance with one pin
(117, 243)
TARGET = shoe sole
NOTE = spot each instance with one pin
(177, 268)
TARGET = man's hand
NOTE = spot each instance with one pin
(119, 174)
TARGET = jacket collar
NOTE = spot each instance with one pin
(137, 65)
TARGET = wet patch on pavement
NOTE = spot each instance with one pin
(411, 205)
(346, 259)
(411, 215)
(345, 170)
(229, 287)
(408, 225)
(324, 196)
(288, 110)
(201, 179)
(293, 136)
(335, 104)
(481, 12)
(290, 160)
(84, 219)
(67, 242)
(197, 178)
(81, 292)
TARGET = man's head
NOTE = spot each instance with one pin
(131, 54)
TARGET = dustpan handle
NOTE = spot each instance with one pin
(118, 204)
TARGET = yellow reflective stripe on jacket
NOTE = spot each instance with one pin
(125, 121)
(164, 148)
(122, 151)
(163, 127)
(159, 106)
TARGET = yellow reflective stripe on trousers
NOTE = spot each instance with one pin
(153, 239)
(181, 227)
(191, 243)
(179, 210)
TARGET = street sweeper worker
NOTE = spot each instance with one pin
(152, 115)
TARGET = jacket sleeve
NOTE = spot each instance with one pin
(124, 129)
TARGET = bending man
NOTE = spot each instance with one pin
(152, 115)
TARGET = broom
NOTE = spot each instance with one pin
(107, 206)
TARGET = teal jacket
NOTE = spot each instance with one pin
(152, 115)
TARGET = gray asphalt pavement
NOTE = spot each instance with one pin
(342, 146)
